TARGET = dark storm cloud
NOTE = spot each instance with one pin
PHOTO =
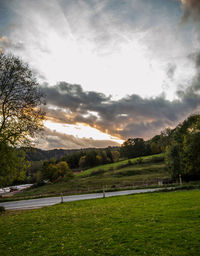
(144, 129)
(72, 97)
(53, 139)
(191, 10)
(171, 69)
(131, 116)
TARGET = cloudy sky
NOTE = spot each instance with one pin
(110, 69)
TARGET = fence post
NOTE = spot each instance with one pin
(61, 195)
(104, 194)
(180, 179)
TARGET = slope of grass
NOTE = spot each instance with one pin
(117, 165)
(146, 224)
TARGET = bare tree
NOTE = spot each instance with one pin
(21, 116)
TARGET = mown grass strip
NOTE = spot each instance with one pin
(146, 224)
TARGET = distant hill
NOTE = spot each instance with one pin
(36, 154)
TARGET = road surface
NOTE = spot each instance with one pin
(40, 202)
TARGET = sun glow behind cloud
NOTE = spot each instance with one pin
(81, 131)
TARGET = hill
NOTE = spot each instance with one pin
(36, 154)
(131, 173)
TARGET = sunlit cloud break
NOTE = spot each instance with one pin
(131, 116)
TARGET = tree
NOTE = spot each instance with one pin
(172, 159)
(155, 144)
(73, 159)
(48, 171)
(20, 102)
(115, 156)
(20, 115)
(82, 162)
(191, 156)
(12, 165)
(133, 148)
(165, 138)
(182, 155)
(55, 172)
(63, 170)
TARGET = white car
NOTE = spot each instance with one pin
(6, 190)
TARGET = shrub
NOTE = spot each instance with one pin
(129, 162)
(2, 210)
(97, 172)
(139, 161)
(157, 159)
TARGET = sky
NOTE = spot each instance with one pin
(110, 69)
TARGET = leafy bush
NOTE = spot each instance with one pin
(157, 159)
(2, 210)
(55, 172)
(139, 161)
(97, 172)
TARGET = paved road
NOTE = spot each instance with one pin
(36, 203)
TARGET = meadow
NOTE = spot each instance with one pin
(164, 223)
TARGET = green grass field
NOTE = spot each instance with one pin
(114, 176)
(146, 224)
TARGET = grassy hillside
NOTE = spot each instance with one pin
(145, 224)
(120, 164)
(128, 173)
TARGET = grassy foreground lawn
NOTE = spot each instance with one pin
(145, 224)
